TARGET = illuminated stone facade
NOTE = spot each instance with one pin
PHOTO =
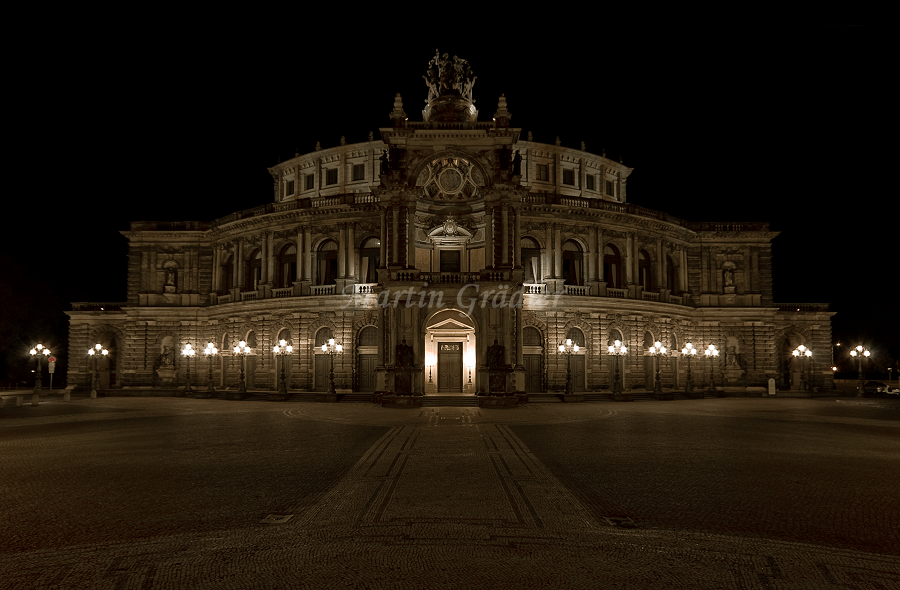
(447, 235)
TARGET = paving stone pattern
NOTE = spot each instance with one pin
(177, 493)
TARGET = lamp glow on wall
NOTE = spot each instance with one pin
(431, 362)
(470, 362)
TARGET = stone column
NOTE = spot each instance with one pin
(342, 250)
(504, 217)
(383, 234)
(264, 256)
(517, 239)
(629, 259)
(216, 269)
(660, 267)
(308, 254)
(557, 252)
(395, 242)
(271, 254)
(488, 238)
(411, 236)
(600, 254)
(299, 255)
(683, 270)
(238, 266)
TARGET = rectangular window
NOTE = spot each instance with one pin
(543, 172)
(610, 188)
(359, 172)
(450, 261)
(331, 176)
(289, 190)
(590, 182)
(569, 177)
(310, 182)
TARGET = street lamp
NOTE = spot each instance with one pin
(470, 362)
(241, 351)
(860, 352)
(332, 349)
(689, 351)
(568, 349)
(39, 352)
(617, 349)
(187, 352)
(711, 352)
(95, 353)
(656, 351)
(801, 352)
(429, 360)
(281, 349)
(210, 351)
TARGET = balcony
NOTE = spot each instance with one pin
(576, 290)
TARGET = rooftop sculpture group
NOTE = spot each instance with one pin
(449, 77)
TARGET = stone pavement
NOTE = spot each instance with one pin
(182, 493)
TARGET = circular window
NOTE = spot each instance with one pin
(450, 179)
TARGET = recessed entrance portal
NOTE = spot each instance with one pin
(450, 350)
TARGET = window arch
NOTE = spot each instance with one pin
(326, 259)
(368, 336)
(369, 260)
(612, 266)
(287, 266)
(576, 336)
(531, 337)
(531, 259)
(572, 263)
(671, 274)
(254, 270)
(645, 270)
(322, 336)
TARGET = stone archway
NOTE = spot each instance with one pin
(450, 353)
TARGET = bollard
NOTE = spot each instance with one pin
(67, 396)
(35, 399)
(93, 394)
(20, 401)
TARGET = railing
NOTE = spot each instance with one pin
(248, 295)
(650, 296)
(575, 290)
(802, 306)
(574, 202)
(326, 201)
(283, 292)
(365, 288)
(99, 306)
(537, 289)
(367, 198)
(322, 289)
(617, 293)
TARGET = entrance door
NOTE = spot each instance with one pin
(533, 373)
(449, 366)
(322, 369)
(367, 372)
(578, 372)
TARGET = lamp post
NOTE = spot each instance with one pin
(802, 353)
(711, 353)
(860, 352)
(656, 351)
(332, 349)
(429, 360)
(689, 351)
(568, 349)
(210, 351)
(187, 352)
(95, 352)
(241, 351)
(281, 349)
(617, 349)
(39, 352)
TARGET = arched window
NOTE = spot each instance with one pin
(368, 336)
(613, 336)
(576, 336)
(645, 271)
(326, 259)
(612, 266)
(254, 270)
(531, 260)
(531, 337)
(322, 336)
(369, 260)
(287, 266)
(572, 263)
(228, 274)
(671, 275)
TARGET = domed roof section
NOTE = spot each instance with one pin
(450, 83)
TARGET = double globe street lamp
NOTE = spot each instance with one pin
(656, 351)
(281, 349)
(617, 349)
(568, 349)
(210, 351)
(96, 352)
(188, 353)
(242, 350)
(331, 349)
(802, 353)
(689, 351)
(38, 353)
(711, 353)
(860, 353)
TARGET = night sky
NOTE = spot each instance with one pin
(756, 126)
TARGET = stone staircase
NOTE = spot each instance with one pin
(465, 401)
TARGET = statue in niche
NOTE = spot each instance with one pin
(495, 356)
(385, 166)
(170, 277)
(404, 355)
(167, 357)
(517, 164)
(729, 277)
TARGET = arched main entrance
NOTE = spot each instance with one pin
(450, 353)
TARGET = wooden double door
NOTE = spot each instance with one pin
(450, 366)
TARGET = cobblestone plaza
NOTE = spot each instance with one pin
(149, 493)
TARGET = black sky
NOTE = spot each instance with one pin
(796, 130)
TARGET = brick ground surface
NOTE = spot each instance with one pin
(150, 493)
